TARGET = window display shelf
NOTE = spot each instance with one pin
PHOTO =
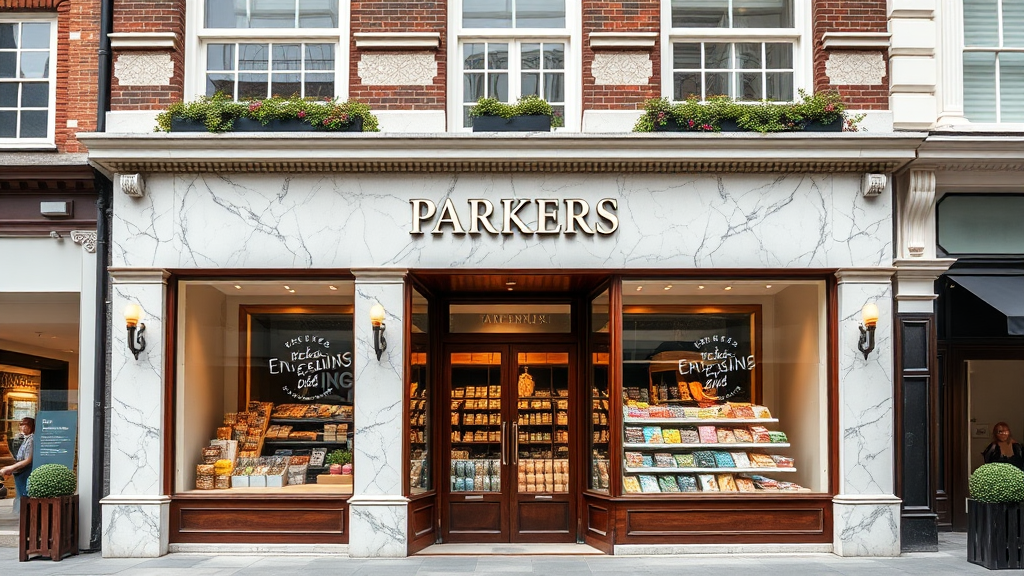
(698, 421)
(310, 421)
(707, 445)
(750, 470)
(282, 442)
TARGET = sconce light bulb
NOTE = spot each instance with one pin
(132, 314)
(869, 313)
(377, 314)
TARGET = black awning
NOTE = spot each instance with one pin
(1004, 293)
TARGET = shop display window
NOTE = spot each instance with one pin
(265, 387)
(724, 387)
(419, 399)
(600, 399)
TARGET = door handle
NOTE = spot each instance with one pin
(504, 460)
(515, 434)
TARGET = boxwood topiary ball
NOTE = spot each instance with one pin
(51, 481)
(994, 483)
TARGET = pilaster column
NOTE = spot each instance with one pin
(136, 513)
(913, 74)
(378, 518)
(951, 63)
(866, 513)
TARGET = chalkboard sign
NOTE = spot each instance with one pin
(55, 438)
(299, 355)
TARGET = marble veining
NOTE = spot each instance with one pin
(132, 531)
(364, 220)
(867, 530)
(377, 531)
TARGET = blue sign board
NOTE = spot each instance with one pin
(55, 438)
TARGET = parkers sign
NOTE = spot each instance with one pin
(478, 216)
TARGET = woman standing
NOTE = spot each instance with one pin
(1004, 448)
(23, 467)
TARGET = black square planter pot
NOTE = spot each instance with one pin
(531, 123)
(995, 535)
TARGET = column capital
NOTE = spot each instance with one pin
(865, 275)
(138, 275)
(915, 283)
(380, 275)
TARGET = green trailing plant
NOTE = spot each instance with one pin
(218, 113)
(338, 457)
(530, 105)
(51, 481)
(995, 483)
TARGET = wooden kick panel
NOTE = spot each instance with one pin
(598, 519)
(271, 521)
(546, 517)
(423, 519)
(474, 517)
(724, 521)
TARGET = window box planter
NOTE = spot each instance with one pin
(519, 123)
(816, 126)
(250, 125)
(48, 527)
(995, 535)
(185, 125)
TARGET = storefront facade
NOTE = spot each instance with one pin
(615, 271)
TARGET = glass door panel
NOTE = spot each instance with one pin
(541, 428)
(477, 427)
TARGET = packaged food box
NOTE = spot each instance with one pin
(724, 460)
(664, 460)
(671, 436)
(741, 459)
(686, 483)
(634, 459)
(703, 459)
(760, 434)
(762, 412)
(778, 436)
(743, 435)
(745, 412)
(647, 461)
(630, 484)
(708, 483)
(689, 435)
(726, 483)
(708, 434)
(684, 460)
(726, 436)
(761, 460)
(668, 483)
(634, 435)
(745, 484)
(652, 435)
(649, 484)
(783, 461)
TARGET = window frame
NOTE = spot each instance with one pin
(571, 36)
(1000, 48)
(49, 141)
(799, 36)
(198, 37)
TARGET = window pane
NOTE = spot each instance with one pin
(497, 56)
(686, 84)
(35, 35)
(252, 56)
(748, 56)
(716, 56)
(706, 14)
(1013, 23)
(472, 87)
(717, 84)
(686, 56)
(220, 57)
(285, 85)
(1011, 87)
(486, 14)
(8, 124)
(554, 56)
(320, 57)
(34, 94)
(530, 57)
(272, 14)
(473, 56)
(226, 14)
(320, 85)
(8, 64)
(35, 64)
(980, 86)
(778, 56)
(540, 13)
(8, 35)
(981, 23)
(762, 13)
(554, 87)
(252, 86)
(498, 86)
(779, 86)
(530, 83)
(33, 124)
(748, 86)
(9, 95)
(961, 216)
(223, 83)
(318, 13)
(287, 57)
(467, 120)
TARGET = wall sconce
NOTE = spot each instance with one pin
(380, 344)
(136, 329)
(869, 315)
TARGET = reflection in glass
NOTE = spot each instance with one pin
(716, 55)
(554, 87)
(34, 124)
(287, 57)
(778, 56)
(35, 65)
(253, 56)
(748, 86)
(220, 57)
(473, 56)
(779, 86)
(707, 14)
(9, 95)
(223, 83)
(748, 55)
(542, 423)
(252, 86)
(286, 85)
(486, 14)
(318, 13)
(598, 425)
(540, 13)
(762, 13)
(319, 85)
(476, 430)
(497, 86)
(8, 124)
(8, 64)
(686, 84)
(35, 35)
(320, 57)
(419, 398)
(8, 35)
(497, 56)
(33, 94)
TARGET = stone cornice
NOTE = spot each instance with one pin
(968, 152)
(623, 39)
(855, 40)
(522, 152)
(397, 40)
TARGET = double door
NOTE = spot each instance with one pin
(510, 461)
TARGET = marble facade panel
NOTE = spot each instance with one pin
(135, 529)
(866, 529)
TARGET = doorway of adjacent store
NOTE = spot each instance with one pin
(996, 395)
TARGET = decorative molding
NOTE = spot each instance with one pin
(397, 40)
(406, 69)
(122, 275)
(622, 68)
(143, 40)
(855, 40)
(623, 39)
(880, 275)
(917, 209)
(144, 69)
(855, 68)
(133, 185)
(87, 238)
(872, 184)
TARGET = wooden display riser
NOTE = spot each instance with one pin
(299, 489)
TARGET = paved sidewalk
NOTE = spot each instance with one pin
(951, 559)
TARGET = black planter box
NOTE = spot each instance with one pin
(995, 535)
(729, 126)
(671, 125)
(249, 125)
(182, 125)
(836, 126)
(531, 123)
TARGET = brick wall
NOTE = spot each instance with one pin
(605, 16)
(844, 16)
(150, 16)
(389, 16)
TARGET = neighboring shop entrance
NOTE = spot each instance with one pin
(507, 470)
